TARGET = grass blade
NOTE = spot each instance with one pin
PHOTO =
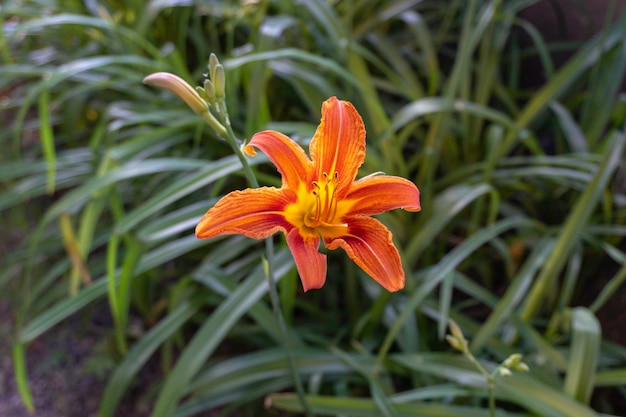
(212, 332)
(47, 139)
(575, 223)
(139, 355)
(527, 392)
(362, 407)
(584, 352)
(21, 376)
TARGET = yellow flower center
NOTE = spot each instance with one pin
(317, 210)
(325, 207)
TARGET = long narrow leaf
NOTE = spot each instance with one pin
(575, 223)
(140, 353)
(584, 352)
(212, 332)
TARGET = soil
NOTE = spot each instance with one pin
(66, 375)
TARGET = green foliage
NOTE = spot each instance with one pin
(519, 240)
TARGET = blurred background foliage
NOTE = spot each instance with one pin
(515, 139)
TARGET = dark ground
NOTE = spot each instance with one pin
(67, 374)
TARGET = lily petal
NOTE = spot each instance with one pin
(289, 157)
(255, 213)
(368, 243)
(378, 194)
(310, 263)
(338, 144)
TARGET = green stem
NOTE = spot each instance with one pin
(4, 46)
(269, 249)
(234, 143)
(208, 117)
(492, 400)
(491, 380)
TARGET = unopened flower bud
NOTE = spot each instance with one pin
(455, 343)
(513, 360)
(213, 63)
(219, 81)
(180, 87)
(505, 372)
(209, 89)
(202, 93)
(521, 367)
(456, 330)
(515, 363)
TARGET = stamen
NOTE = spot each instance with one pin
(318, 213)
(325, 210)
(327, 202)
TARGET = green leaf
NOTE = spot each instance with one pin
(364, 407)
(446, 206)
(212, 332)
(514, 294)
(21, 376)
(47, 138)
(575, 223)
(523, 390)
(139, 354)
(583, 355)
(586, 56)
(447, 264)
(434, 105)
(79, 196)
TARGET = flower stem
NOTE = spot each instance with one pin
(234, 143)
(269, 249)
(491, 380)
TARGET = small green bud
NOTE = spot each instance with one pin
(202, 93)
(209, 89)
(456, 343)
(453, 341)
(513, 360)
(213, 63)
(219, 81)
(521, 367)
(505, 371)
(456, 330)
(515, 363)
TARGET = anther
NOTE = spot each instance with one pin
(324, 192)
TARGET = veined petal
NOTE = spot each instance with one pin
(368, 243)
(339, 143)
(289, 157)
(256, 213)
(310, 263)
(377, 194)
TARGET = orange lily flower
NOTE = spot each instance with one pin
(320, 200)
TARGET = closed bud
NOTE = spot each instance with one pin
(456, 330)
(521, 367)
(202, 93)
(209, 89)
(180, 87)
(219, 81)
(455, 343)
(213, 63)
(513, 360)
